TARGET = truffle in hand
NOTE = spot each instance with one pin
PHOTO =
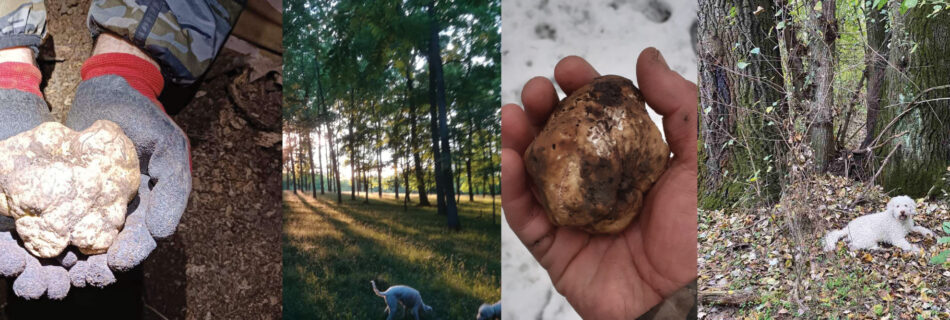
(65, 187)
(597, 157)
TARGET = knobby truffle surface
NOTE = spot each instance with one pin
(597, 156)
(64, 187)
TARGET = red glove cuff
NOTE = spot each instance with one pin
(21, 76)
(141, 75)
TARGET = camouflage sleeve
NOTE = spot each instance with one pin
(22, 23)
(183, 36)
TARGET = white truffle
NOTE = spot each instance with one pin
(597, 157)
(64, 187)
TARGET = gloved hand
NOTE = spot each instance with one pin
(165, 160)
(23, 24)
(133, 245)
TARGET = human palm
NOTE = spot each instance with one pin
(617, 276)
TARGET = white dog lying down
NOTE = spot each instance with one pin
(408, 297)
(890, 226)
(486, 311)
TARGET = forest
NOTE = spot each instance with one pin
(816, 87)
(393, 97)
(813, 113)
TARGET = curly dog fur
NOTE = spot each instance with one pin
(890, 226)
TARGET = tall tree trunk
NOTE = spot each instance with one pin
(365, 185)
(313, 175)
(320, 158)
(379, 169)
(293, 168)
(333, 155)
(352, 143)
(436, 152)
(875, 57)
(458, 181)
(335, 163)
(405, 173)
(916, 81)
(468, 179)
(741, 103)
(396, 175)
(822, 69)
(437, 80)
(414, 141)
(491, 172)
(300, 162)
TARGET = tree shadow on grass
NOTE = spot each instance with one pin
(327, 271)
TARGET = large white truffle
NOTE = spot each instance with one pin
(597, 157)
(65, 187)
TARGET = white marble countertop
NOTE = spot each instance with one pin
(609, 34)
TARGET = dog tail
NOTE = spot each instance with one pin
(376, 290)
(832, 238)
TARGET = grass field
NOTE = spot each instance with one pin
(331, 252)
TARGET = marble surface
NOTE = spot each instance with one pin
(609, 34)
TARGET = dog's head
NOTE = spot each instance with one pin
(902, 207)
(427, 308)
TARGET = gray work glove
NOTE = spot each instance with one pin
(23, 23)
(165, 161)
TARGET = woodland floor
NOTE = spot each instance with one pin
(748, 253)
(332, 251)
(224, 260)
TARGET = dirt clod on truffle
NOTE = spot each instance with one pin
(597, 156)
(68, 188)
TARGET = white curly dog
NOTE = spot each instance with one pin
(890, 226)
(406, 296)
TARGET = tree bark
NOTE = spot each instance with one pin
(414, 141)
(458, 181)
(352, 143)
(335, 163)
(396, 175)
(468, 165)
(293, 169)
(876, 63)
(434, 130)
(916, 168)
(822, 69)
(366, 185)
(436, 79)
(313, 175)
(491, 172)
(405, 173)
(320, 159)
(741, 103)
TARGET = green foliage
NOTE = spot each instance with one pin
(943, 255)
(347, 65)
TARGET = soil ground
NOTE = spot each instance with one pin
(224, 261)
(332, 251)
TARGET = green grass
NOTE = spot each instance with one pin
(331, 252)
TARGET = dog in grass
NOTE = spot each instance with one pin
(406, 296)
(890, 226)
